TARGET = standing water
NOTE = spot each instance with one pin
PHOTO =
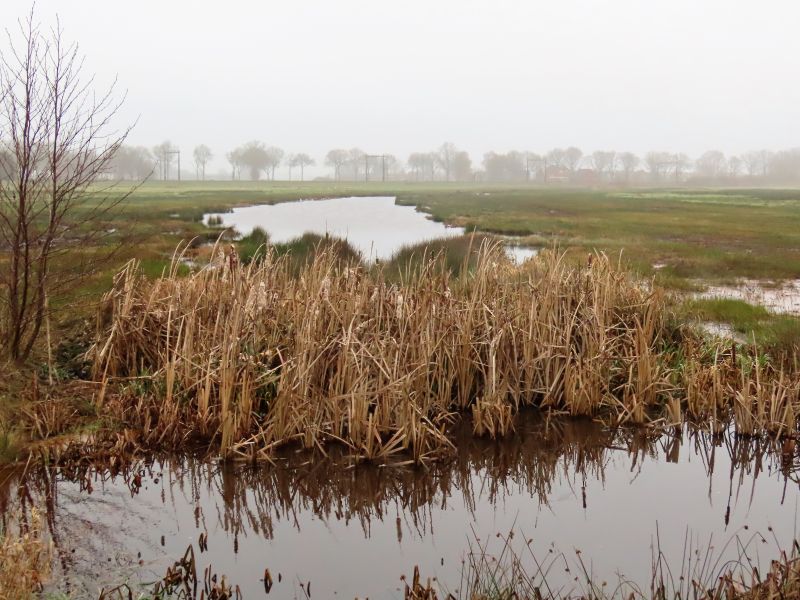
(375, 226)
(354, 530)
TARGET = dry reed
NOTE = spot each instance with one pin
(24, 560)
(257, 356)
(518, 574)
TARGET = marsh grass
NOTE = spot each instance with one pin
(777, 333)
(253, 357)
(456, 253)
(517, 572)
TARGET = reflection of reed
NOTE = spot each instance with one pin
(544, 453)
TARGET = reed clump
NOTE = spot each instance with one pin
(257, 356)
(24, 559)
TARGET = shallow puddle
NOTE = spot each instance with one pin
(782, 298)
(353, 531)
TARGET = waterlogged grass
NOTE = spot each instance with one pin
(773, 332)
(717, 235)
(709, 235)
(742, 316)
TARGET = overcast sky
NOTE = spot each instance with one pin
(407, 75)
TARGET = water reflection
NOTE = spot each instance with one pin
(354, 529)
(375, 226)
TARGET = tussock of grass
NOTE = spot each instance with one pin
(253, 245)
(302, 251)
(457, 253)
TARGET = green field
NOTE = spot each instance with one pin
(692, 236)
(715, 235)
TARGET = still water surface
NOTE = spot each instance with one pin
(352, 531)
(375, 226)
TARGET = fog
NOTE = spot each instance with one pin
(399, 77)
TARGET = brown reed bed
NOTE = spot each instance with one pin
(253, 357)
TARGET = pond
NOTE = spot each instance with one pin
(375, 226)
(352, 531)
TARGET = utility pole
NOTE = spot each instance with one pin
(528, 161)
(174, 152)
(382, 158)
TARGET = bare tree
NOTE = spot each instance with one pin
(629, 162)
(337, 159)
(132, 162)
(202, 154)
(752, 162)
(658, 163)
(290, 163)
(680, 163)
(603, 161)
(57, 140)
(445, 157)
(784, 166)
(234, 158)
(711, 164)
(300, 160)
(274, 156)
(555, 158)
(255, 157)
(734, 166)
(572, 158)
(165, 154)
(505, 167)
(462, 166)
(765, 161)
(417, 162)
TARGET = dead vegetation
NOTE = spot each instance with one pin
(181, 582)
(254, 357)
(24, 558)
(518, 574)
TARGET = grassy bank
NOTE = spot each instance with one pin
(689, 234)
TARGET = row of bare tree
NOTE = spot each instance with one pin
(448, 163)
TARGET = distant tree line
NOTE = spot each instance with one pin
(255, 160)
